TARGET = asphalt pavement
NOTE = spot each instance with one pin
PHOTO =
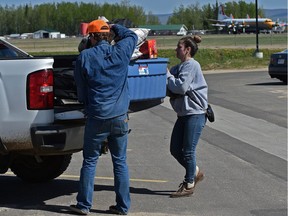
(243, 155)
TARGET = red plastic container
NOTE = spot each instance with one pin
(149, 49)
(83, 28)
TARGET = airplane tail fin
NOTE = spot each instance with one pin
(221, 14)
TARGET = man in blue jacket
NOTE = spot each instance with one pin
(101, 77)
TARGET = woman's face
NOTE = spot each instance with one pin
(181, 51)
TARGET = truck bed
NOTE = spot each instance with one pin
(146, 78)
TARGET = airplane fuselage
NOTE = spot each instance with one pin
(241, 24)
(263, 23)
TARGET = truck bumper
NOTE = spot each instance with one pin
(58, 138)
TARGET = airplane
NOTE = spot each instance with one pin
(280, 27)
(241, 25)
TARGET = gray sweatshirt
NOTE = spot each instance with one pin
(187, 78)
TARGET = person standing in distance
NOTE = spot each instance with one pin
(188, 97)
(101, 77)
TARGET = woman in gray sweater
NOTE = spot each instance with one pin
(188, 97)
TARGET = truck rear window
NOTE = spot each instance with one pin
(7, 51)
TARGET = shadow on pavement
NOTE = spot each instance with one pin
(133, 190)
(16, 194)
(272, 83)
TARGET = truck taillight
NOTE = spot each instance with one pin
(40, 90)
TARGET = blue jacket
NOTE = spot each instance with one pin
(101, 74)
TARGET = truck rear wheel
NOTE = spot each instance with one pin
(41, 168)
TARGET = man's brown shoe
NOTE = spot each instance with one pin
(79, 211)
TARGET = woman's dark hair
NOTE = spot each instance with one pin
(191, 41)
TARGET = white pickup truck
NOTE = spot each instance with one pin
(41, 123)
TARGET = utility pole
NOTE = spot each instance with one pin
(257, 41)
(257, 53)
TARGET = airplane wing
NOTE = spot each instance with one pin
(218, 25)
(213, 20)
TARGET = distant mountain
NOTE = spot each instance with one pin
(273, 14)
(163, 18)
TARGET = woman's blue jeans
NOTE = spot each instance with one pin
(184, 139)
(96, 131)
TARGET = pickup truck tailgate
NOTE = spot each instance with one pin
(15, 118)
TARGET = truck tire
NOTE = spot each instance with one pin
(41, 168)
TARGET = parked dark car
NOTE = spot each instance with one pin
(278, 66)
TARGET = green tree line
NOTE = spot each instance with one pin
(66, 17)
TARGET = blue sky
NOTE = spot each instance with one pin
(155, 6)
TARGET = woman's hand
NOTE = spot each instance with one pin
(169, 75)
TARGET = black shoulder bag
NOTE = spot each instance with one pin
(210, 113)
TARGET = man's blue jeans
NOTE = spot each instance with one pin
(184, 139)
(96, 131)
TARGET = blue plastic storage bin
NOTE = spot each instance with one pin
(147, 79)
